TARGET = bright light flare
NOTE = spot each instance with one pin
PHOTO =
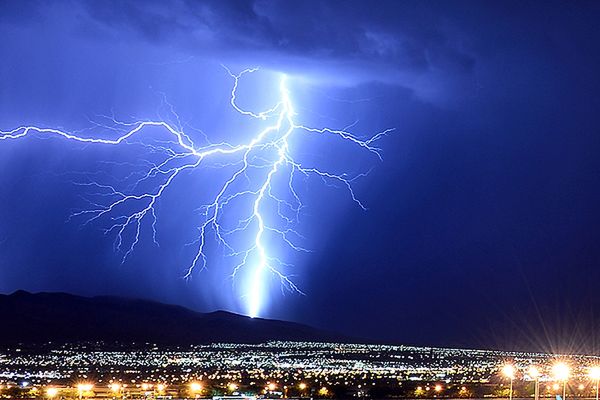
(555, 387)
(232, 387)
(560, 371)
(594, 373)
(51, 392)
(115, 387)
(85, 387)
(533, 372)
(509, 371)
(195, 387)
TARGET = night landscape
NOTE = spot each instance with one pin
(271, 199)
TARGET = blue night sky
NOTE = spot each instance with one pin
(482, 219)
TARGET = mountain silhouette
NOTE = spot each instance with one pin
(39, 318)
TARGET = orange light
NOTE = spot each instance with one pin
(115, 387)
(302, 386)
(195, 387)
(85, 387)
(438, 388)
(51, 392)
(272, 386)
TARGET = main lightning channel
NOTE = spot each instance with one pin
(268, 150)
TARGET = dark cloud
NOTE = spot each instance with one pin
(336, 42)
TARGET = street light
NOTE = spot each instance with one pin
(561, 373)
(509, 371)
(51, 392)
(84, 387)
(534, 373)
(232, 387)
(195, 387)
(595, 375)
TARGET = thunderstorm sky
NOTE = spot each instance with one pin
(481, 226)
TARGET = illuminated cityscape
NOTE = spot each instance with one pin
(291, 369)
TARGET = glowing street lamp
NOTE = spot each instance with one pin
(595, 375)
(561, 373)
(116, 388)
(534, 373)
(232, 387)
(509, 371)
(84, 387)
(195, 387)
(51, 392)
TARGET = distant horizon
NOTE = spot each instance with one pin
(361, 340)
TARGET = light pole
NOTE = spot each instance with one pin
(561, 373)
(509, 372)
(534, 373)
(595, 375)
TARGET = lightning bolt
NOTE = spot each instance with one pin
(256, 168)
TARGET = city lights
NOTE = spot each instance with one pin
(288, 369)
(232, 387)
(195, 387)
(533, 372)
(115, 387)
(560, 372)
(594, 374)
(85, 387)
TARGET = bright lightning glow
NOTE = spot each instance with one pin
(257, 165)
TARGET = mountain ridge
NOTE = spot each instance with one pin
(35, 318)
